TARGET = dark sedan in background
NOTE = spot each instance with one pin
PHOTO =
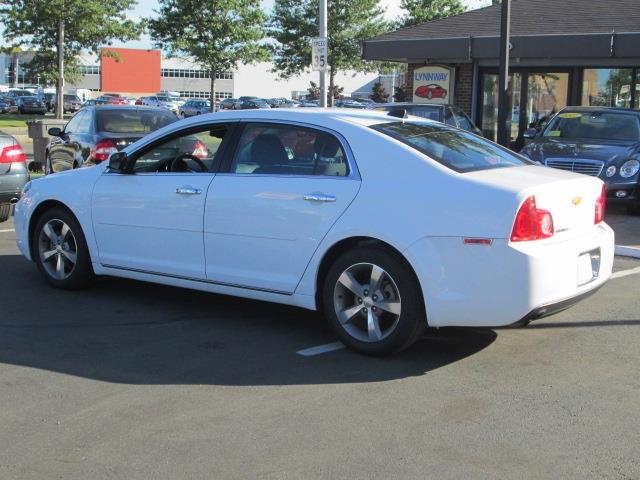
(96, 132)
(13, 174)
(597, 141)
(194, 107)
(445, 113)
(31, 104)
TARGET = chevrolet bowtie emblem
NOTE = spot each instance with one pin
(576, 200)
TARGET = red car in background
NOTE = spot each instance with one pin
(431, 91)
(113, 99)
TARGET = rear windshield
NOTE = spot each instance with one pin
(133, 121)
(456, 149)
(594, 125)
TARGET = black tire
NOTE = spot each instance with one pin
(5, 211)
(408, 326)
(81, 274)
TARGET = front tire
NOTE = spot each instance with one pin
(373, 302)
(60, 250)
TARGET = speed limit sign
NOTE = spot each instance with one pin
(319, 52)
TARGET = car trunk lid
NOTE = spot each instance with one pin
(569, 197)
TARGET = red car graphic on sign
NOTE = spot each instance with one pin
(431, 91)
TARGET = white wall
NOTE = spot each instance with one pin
(259, 81)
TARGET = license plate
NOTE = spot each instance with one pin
(588, 266)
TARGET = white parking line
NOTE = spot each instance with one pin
(327, 347)
(6, 230)
(625, 273)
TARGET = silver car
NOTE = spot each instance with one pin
(13, 174)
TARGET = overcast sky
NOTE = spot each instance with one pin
(145, 9)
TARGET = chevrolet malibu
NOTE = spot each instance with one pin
(386, 225)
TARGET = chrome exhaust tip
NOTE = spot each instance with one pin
(14, 200)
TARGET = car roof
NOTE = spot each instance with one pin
(601, 109)
(411, 104)
(146, 108)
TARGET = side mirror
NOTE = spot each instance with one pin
(530, 133)
(54, 132)
(118, 162)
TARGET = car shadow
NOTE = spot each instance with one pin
(138, 333)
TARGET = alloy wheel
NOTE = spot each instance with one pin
(57, 249)
(367, 302)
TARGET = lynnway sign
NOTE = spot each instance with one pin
(432, 84)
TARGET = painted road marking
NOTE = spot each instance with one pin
(625, 273)
(6, 230)
(327, 347)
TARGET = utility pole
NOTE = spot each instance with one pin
(503, 80)
(60, 86)
(323, 34)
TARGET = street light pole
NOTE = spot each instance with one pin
(60, 89)
(323, 34)
(503, 80)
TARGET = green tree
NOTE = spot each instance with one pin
(420, 11)
(295, 22)
(217, 34)
(402, 94)
(378, 93)
(87, 25)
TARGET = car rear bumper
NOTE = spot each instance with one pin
(502, 283)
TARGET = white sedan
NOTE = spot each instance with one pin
(387, 225)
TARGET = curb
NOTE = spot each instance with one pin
(633, 252)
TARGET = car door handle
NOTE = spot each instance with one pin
(188, 191)
(319, 197)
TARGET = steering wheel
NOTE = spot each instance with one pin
(178, 164)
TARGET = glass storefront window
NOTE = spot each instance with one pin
(489, 120)
(607, 87)
(547, 94)
(637, 103)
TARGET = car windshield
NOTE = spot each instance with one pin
(599, 125)
(133, 121)
(71, 98)
(456, 149)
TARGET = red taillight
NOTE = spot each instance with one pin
(601, 204)
(101, 151)
(200, 150)
(531, 222)
(12, 154)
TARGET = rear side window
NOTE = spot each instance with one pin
(456, 149)
(277, 149)
(133, 121)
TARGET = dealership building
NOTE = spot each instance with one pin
(139, 72)
(569, 52)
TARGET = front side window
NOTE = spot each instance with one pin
(275, 149)
(456, 149)
(594, 125)
(190, 152)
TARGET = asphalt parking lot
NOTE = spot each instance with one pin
(130, 380)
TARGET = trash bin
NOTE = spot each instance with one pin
(37, 131)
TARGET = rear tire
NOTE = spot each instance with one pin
(5, 212)
(60, 250)
(373, 302)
